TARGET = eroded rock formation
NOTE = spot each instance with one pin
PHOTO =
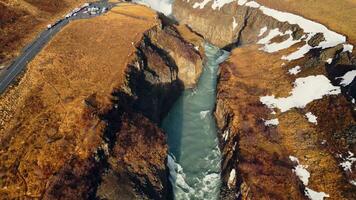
(275, 145)
(82, 121)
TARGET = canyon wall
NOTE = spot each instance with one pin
(82, 121)
(285, 101)
(229, 25)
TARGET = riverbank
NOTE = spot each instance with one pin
(81, 122)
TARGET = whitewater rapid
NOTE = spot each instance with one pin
(195, 157)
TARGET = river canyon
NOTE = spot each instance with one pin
(183, 99)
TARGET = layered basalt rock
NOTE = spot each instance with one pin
(169, 65)
(259, 142)
(82, 121)
(228, 26)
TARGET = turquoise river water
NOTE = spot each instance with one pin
(195, 157)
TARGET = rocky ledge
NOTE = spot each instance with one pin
(81, 123)
(285, 101)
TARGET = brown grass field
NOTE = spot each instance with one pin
(22, 20)
(87, 57)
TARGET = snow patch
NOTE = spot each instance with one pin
(313, 195)
(348, 162)
(306, 90)
(353, 182)
(234, 24)
(163, 6)
(311, 118)
(217, 4)
(348, 47)
(310, 28)
(272, 34)
(201, 5)
(347, 78)
(241, 2)
(329, 61)
(272, 122)
(253, 4)
(300, 52)
(304, 175)
(300, 171)
(234, 147)
(226, 134)
(232, 177)
(274, 47)
(262, 31)
(295, 70)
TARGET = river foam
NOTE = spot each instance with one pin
(190, 125)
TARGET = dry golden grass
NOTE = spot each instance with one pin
(44, 120)
(250, 74)
(338, 15)
(22, 20)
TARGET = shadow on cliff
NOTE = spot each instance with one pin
(342, 63)
(155, 97)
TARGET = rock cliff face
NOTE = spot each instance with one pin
(229, 25)
(259, 150)
(285, 102)
(82, 121)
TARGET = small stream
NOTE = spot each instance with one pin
(195, 157)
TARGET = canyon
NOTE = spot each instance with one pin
(279, 138)
(91, 116)
(82, 121)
